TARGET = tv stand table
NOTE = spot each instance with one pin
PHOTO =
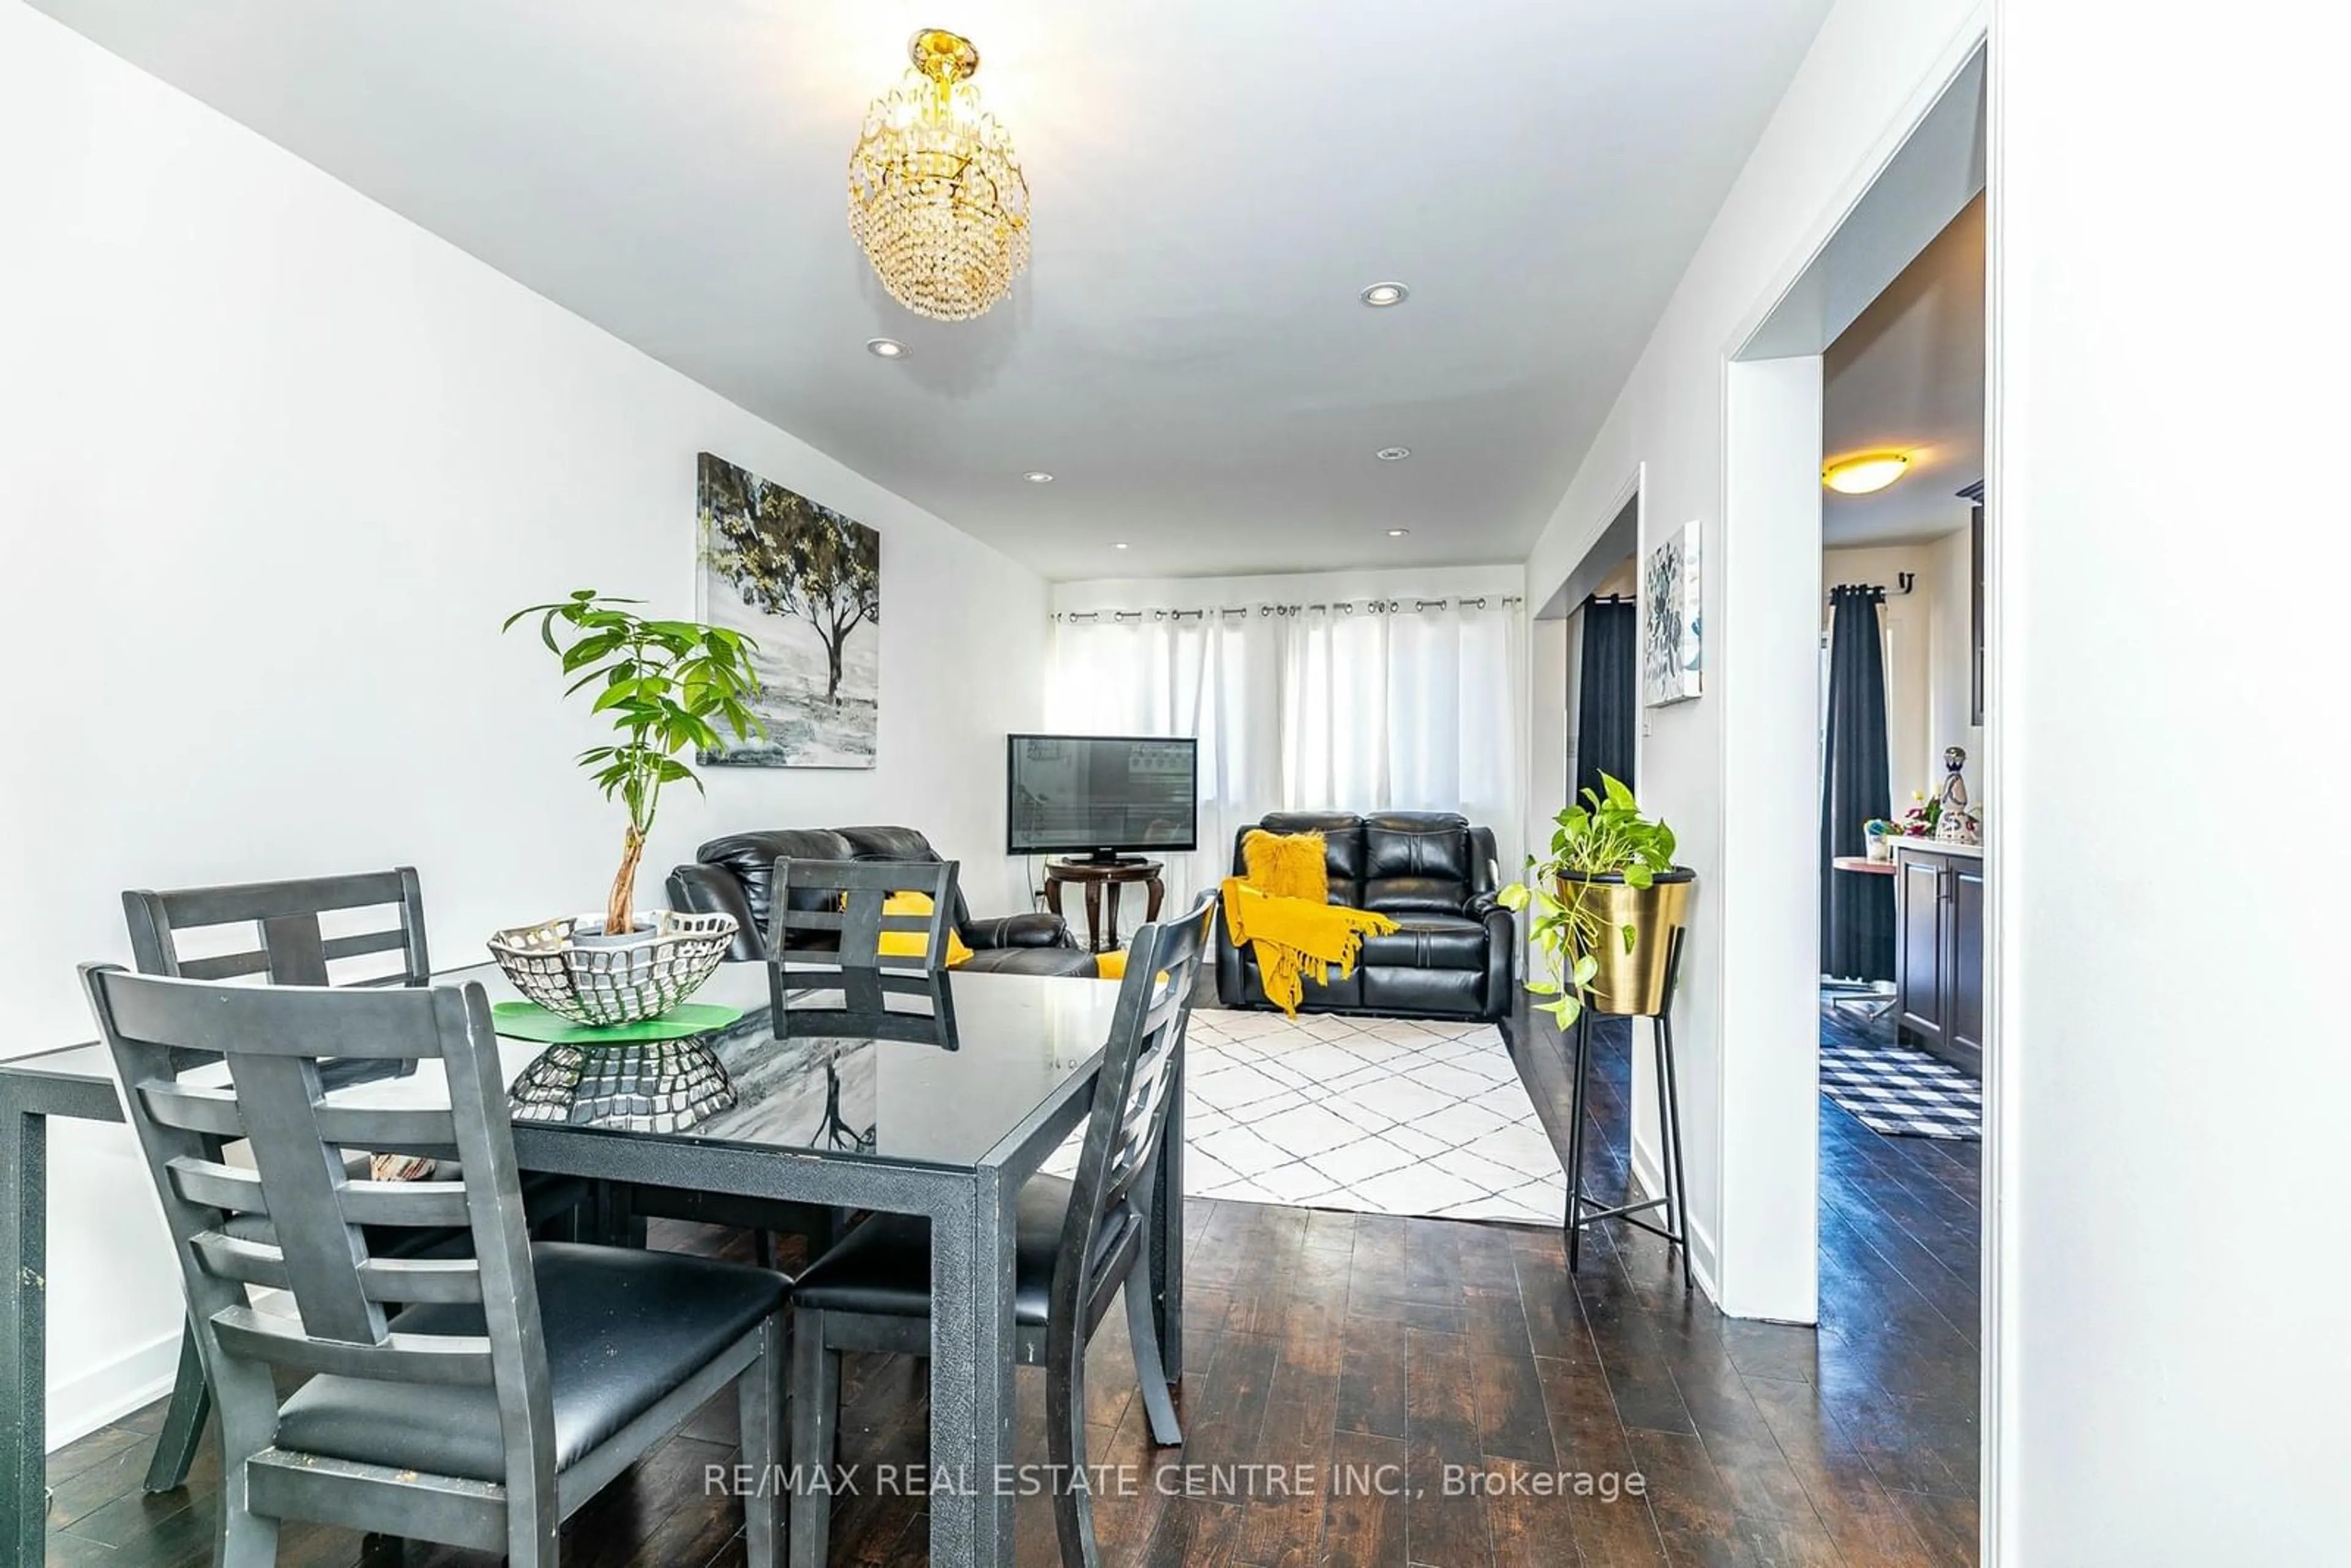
(1101, 937)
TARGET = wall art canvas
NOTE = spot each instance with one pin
(805, 582)
(1672, 631)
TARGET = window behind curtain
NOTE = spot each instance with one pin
(1326, 708)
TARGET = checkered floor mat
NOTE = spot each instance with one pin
(1895, 1090)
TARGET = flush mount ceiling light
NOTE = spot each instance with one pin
(885, 348)
(1392, 454)
(1380, 296)
(1398, 533)
(935, 194)
(1038, 476)
(1861, 476)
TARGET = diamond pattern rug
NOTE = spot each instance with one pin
(1373, 1115)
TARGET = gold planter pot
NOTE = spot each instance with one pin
(1631, 983)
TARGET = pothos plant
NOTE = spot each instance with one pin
(668, 685)
(1606, 836)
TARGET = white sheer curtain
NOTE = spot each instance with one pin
(1361, 707)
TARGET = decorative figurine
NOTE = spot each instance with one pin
(1954, 823)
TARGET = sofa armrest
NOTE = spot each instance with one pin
(1482, 904)
(1485, 861)
(1501, 956)
(1232, 967)
(698, 888)
(1034, 929)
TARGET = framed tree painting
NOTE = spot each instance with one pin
(1673, 646)
(805, 582)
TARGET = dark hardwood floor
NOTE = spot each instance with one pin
(1374, 1349)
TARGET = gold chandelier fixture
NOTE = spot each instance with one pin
(935, 194)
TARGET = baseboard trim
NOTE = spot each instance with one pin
(1649, 1177)
(81, 1405)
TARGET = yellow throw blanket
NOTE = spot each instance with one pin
(1294, 937)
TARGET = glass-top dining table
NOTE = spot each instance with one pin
(943, 1111)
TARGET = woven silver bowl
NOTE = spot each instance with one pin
(602, 984)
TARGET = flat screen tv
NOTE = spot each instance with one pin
(1101, 795)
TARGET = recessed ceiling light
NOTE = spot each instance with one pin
(1392, 454)
(1119, 546)
(1038, 476)
(1380, 296)
(1861, 476)
(885, 348)
(1398, 533)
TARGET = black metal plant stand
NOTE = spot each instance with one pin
(1581, 1210)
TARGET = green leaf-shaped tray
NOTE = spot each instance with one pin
(528, 1020)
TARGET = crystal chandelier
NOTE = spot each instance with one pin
(935, 194)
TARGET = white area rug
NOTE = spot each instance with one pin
(1374, 1115)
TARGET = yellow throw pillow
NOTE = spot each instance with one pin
(1113, 966)
(1288, 866)
(914, 944)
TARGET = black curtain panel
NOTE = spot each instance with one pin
(1856, 910)
(1607, 696)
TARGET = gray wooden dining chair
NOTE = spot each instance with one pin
(1078, 1245)
(828, 975)
(835, 967)
(476, 1400)
(277, 932)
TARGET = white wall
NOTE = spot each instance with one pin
(2172, 1057)
(1949, 575)
(1871, 72)
(273, 462)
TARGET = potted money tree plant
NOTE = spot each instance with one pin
(668, 687)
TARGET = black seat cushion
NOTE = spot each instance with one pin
(883, 1267)
(1429, 942)
(1056, 961)
(622, 1328)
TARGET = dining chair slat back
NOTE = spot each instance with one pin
(1119, 1162)
(842, 905)
(286, 918)
(826, 952)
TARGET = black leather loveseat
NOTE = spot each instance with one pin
(1434, 875)
(734, 875)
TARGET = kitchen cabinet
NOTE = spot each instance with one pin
(1938, 894)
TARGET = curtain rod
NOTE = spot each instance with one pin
(1340, 607)
(1908, 579)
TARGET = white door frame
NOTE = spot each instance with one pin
(1764, 387)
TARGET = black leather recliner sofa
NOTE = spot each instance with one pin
(1434, 875)
(735, 876)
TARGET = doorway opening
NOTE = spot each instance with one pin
(1853, 1096)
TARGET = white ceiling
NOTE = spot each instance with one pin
(1908, 375)
(1213, 182)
